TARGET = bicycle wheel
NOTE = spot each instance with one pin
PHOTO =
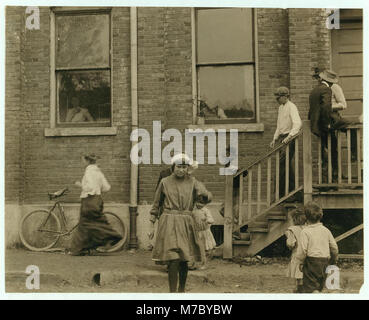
(39, 230)
(117, 224)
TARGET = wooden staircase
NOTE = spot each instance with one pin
(248, 194)
(261, 233)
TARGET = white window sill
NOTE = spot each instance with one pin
(92, 131)
(241, 127)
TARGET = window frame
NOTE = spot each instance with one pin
(68, 129)
(244, 125)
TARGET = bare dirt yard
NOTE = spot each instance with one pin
(136, 272)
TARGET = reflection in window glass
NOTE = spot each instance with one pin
(82, 41)
(84, 97)
(228, 91)
(224, 35)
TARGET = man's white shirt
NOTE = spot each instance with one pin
(289, 121)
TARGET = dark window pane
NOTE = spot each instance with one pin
(82, 41)
(224, 35)
(229, 91)
(83, 97)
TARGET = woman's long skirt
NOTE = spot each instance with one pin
(94, 229)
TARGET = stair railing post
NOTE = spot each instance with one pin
(307, 162)
(228, 218)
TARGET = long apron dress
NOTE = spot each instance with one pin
(293, 269)
(206, 234)
(176, 236)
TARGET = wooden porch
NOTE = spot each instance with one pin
(258, 212)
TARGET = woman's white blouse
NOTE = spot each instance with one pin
(94, 181)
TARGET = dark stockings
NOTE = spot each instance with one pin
(183, 270)
(175, 268)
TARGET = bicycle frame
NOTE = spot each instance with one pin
(58, 205)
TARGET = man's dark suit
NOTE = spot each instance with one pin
(321, 122)
(320, 100)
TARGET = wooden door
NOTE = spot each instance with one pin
(347, 59)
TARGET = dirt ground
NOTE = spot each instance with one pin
(136, 272)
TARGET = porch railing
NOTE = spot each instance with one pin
(254, 191)
(348, 171)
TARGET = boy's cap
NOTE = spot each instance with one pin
(282, 91)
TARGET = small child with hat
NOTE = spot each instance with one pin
(293, 242)
(203, 221)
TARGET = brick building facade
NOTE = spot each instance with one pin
(41, 157)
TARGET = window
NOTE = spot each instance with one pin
(225, 66)
(81, 69)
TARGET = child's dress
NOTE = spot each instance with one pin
(293, 235)
(207, 235)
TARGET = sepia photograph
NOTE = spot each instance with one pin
(183, 149)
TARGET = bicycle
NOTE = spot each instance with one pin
(40, 230)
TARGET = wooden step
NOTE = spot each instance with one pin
(339, 193)
(291, 205)
(241, 242)
(339, 185)
(258, 224)
(276, 212)
(245, 236)
(277, 217)
(262, 239)
(259, 229)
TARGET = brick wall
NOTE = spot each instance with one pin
(54, 162)
(309, 46)
(166, 32)
(165, 76)
(323, 39)
(13, 103)
(290, 43)
(151, 85)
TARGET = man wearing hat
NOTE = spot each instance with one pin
(338, 98)
(338, 104)
(288, 125)
(322, 118)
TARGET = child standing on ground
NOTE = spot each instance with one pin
(318, 249)
(293, 235)
(205, 235)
